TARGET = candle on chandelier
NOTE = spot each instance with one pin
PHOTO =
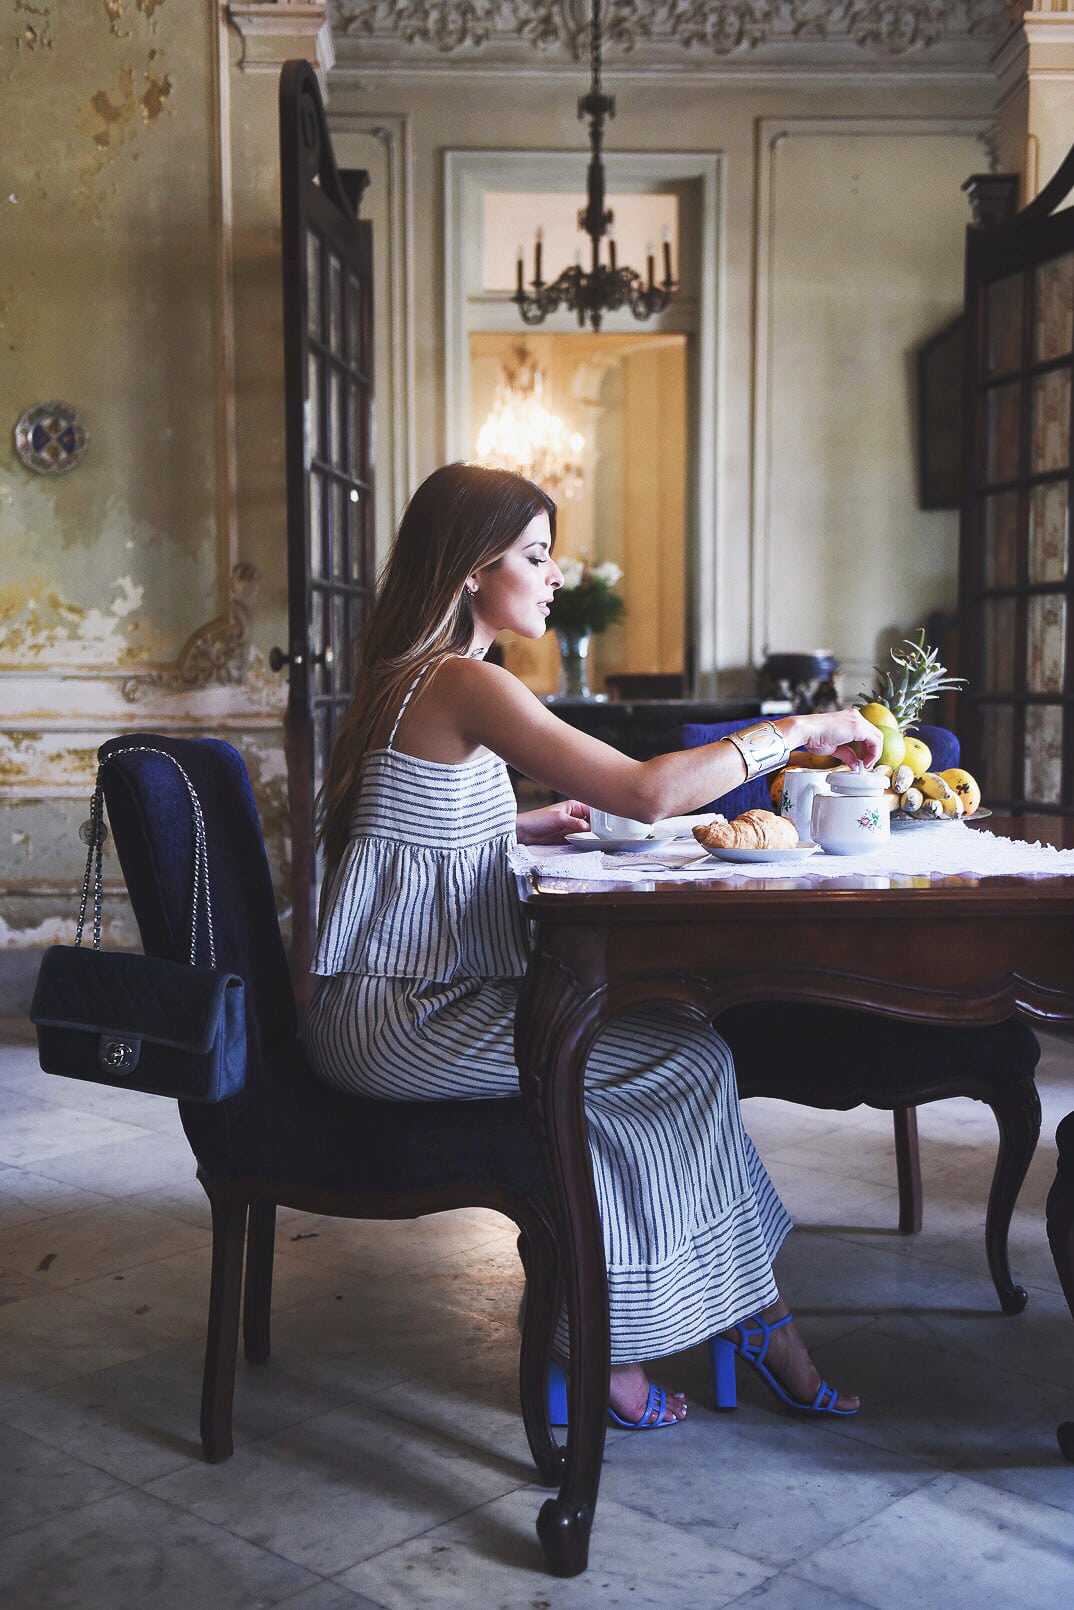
(537, 257)
(667, 256)
(519, 272)
(649, 261)
(611, 252)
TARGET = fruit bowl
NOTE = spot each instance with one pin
(901, 820)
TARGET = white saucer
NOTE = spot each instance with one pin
(681, 827)
(591, 841)
(798, 852)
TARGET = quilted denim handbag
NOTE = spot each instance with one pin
(140, 1022)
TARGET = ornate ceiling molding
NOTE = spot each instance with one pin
(690, 34)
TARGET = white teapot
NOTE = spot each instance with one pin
(853, 818)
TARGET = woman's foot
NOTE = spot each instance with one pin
(628, 1393)
(788, 1359)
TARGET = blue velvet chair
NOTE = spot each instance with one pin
(833, 1058)
(286, 1138)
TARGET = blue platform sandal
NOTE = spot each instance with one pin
(752, 1349)
(656, 1403)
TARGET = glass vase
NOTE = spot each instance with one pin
(573, 663)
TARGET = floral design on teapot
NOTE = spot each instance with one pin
(871, 820)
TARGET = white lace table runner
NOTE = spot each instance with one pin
(927, 850)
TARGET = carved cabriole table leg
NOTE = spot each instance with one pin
(554, 1029)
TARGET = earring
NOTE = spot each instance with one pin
(472, 591)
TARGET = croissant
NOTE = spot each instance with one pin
(755, 830)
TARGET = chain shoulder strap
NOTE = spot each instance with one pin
(94, 832)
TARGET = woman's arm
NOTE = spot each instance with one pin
(485, 705)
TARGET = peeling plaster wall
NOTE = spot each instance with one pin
(136, 281)
(106, 275)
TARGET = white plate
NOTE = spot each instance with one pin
(590, 841)
(798, 852)
(681, 827)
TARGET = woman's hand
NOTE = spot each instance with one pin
(552, 823)
(833, 732)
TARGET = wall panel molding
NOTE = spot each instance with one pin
(773, 136)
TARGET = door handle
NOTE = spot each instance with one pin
(278, 659)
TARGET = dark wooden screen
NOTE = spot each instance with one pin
(1015, 577)
(328, 362)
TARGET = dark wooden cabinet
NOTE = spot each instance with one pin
(1015, 578)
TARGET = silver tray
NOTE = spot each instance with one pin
(900, 821)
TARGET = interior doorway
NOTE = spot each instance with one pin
(625, 394)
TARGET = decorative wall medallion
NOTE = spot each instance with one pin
(51, 438)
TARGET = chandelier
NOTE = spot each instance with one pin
(521, 434)
(604, 287)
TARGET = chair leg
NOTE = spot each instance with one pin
(257, 1298)
(1017, 1113)
(222, 1338)
(1060, 1219)
(908, 1169)
(544, 1297)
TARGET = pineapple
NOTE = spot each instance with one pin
(919, 678)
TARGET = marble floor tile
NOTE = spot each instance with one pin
(141, 1163)
(131, 1552)
(789, 1592)
(939, 1408)
(33, 1131)
(491, 1558)
(953, 1542)
(133, 1107)
(57, 1336)
(38, 1482)
(26, 1195)
(724, 1476)
(328, 1596)
(140, 1419)
(344, 1485)
(101, 1240)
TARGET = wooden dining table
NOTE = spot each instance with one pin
(935, 949)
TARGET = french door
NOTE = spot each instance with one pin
(328, 369)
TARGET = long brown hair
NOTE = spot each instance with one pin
(462, 518)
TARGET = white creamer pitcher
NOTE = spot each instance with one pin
(801, 785)
(853, 818)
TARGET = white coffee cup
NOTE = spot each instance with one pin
(801, 785)
(607, 826)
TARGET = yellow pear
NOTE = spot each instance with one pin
(879, 715)
(918, 755)
(894, 747)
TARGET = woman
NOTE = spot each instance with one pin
(422, 945)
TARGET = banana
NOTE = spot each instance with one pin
(933, 786)
(912, 800)
(932, 807)
(953, 806)
(902, 778)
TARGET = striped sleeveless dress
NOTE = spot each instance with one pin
(419, 962)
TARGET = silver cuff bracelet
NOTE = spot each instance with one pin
(763, 749)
